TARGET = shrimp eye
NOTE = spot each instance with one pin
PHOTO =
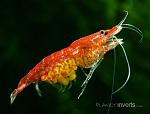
(102, 32)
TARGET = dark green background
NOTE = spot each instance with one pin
(33, 29)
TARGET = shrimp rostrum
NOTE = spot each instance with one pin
(87, 52)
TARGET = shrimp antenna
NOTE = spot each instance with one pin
(129, 26)
(128, 70)
(122, 21)
(113, 81)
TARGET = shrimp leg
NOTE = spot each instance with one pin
(37, 89)
(84, 72)
(84, 84)
(91, 72)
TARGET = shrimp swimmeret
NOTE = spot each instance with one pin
(60, 67)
